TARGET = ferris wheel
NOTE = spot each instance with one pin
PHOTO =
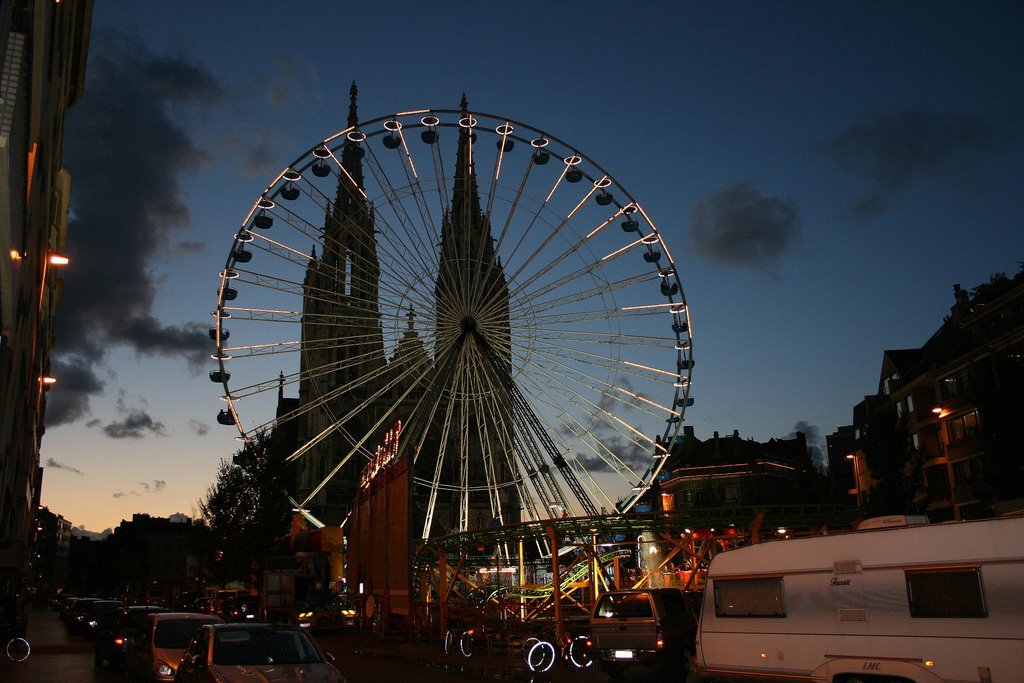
(466, 292)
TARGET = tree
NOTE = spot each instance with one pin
(246, 509)
(894, 465)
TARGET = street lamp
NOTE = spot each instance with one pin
(856, 478)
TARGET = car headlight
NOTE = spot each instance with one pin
(92, 624)
(164, 669)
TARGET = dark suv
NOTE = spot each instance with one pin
(646, 626)
(115, 632)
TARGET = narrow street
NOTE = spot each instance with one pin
(61, 658)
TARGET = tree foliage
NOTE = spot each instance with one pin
(894, 465)
(246, 508)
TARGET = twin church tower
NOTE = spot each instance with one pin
(448, 380)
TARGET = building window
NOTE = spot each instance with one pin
(946, 593)
(962, 426)
(910, 403)
(899, 409)
(962, 471)
(956, 384)
(889, 383)
(750, 597)
(937, 482)
(916, 441)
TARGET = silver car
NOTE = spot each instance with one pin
(247, 652)
(159, 644)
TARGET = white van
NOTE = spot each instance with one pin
(939, 603)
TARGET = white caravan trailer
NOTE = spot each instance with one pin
(939, 603)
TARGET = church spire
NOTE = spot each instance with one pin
(353, 92)
(351, 155)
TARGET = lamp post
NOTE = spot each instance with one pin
(55, 259)
(856, 478)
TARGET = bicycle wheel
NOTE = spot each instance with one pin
(541, 657)
(18, 649)
(527, 646)
(577, 653)
(448, 641)
(466, 644)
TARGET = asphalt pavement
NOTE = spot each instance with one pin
(62, 658)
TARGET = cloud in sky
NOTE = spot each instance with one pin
(155, 486)
(56, 465)
(135, 425)
(634, 455)
(814, 441)
(737, 226)
(78, 381)
(80, 531)
(127, 147)
(292, 81)
(198, 428)
(890, 151)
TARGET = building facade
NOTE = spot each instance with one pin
(729, 471)
(52, 554)
(43, 48)
(958, 402)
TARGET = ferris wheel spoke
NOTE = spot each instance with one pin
(471, 291)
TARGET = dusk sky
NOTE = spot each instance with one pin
(824, 172)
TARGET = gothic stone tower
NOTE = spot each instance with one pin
(471, 318)
(473, 355)
(340, 301)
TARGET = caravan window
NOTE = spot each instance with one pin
(761, 597)
(946, 593)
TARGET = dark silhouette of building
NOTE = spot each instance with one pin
(957, 404)
(349, 390)
(53, 551)
(842, 469)
(145, 559)
(731, 471)
(43, 48)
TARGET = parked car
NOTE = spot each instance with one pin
(205, 605)
(77, 613)
(65, 604)
(184, 601)
(114, 633)
(158, 645)
(230, 653)
(241, 608)
(61, 601)
(646, 626)
(96, 612)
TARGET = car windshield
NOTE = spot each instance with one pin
(254, 646)
(175, 633)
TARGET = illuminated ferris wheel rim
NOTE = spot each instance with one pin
(391, 129)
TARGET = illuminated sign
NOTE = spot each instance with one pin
(387, 452)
